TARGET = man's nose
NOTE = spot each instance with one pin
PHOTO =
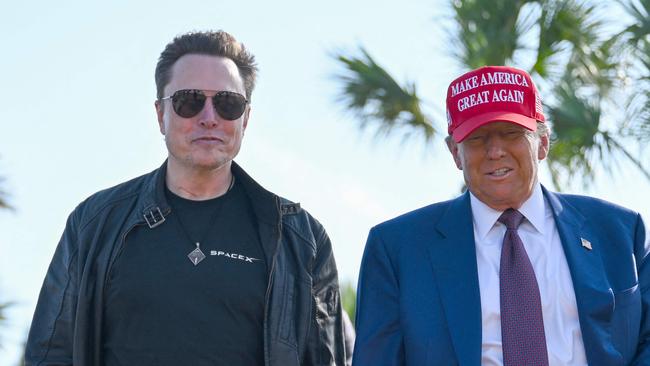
(494, 146)
(208, 117)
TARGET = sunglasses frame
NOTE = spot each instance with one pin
(215, 105)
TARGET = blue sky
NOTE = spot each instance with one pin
(77, 116)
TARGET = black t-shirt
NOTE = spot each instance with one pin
(161, 309)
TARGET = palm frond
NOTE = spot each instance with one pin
(4, 204)
(487, 32)
(374, 95)
(594, 72)
(575, 128)
(3, 314)
(639, 10)
(579, 140)
(575, 27)
(616, 147)
(636, 122)
(3, 308)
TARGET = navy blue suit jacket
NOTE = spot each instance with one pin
(418, 294)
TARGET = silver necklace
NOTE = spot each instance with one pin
(197, 255)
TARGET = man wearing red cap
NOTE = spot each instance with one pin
(508, 273)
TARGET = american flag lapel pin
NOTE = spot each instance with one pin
(585, 243)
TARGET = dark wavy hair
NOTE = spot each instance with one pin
(213, 43)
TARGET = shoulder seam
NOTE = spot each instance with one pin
(99, 210)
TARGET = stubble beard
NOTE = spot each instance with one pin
(188, 161)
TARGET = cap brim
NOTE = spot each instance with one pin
(461, 132)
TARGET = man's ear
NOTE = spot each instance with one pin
(454, 150)
(159, 113)
(542, 149)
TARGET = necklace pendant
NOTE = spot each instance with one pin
(196, 256)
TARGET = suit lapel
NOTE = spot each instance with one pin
(594, 296)
(454, 264)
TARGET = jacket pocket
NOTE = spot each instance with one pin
(286, 328)
(626, 297)
(626, 321)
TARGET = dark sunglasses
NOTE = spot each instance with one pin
(187, 103)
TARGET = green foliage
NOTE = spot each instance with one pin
(576, 128)
(487, 33)
(3, 315)
(3, 197)
(349, 300)
(595, 82)
(575, 57)
(3, 202)
(636, 45)
(3, 308)
(371, 93)
(639, 10)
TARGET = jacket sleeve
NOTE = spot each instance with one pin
(379, 336)
(642, 256)
(50, 337)
(326, 345)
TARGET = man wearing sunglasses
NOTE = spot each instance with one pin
(194, 263)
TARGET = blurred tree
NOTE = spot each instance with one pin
(3, 201)
(595, 82)
(3, 306)
(349, 300)
(3, 316)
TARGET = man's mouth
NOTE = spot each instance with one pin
(207, 139)
(499, 172)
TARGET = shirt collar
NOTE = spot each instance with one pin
(534, 209)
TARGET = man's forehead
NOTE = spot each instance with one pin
(205, 72)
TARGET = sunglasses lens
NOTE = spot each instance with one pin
(188, 103)
(229, 105)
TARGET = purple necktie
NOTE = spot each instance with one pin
(522, 326)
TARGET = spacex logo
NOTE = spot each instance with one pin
(235, 256)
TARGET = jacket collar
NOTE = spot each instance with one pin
(154, 206)
(265, 204)
(534, 210)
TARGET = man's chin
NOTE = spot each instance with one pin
(197, 163)
(212, 165)
(499, 200)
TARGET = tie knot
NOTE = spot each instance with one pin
(511, 218)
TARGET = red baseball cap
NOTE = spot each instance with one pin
(491, 94)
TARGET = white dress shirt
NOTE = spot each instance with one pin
(542, 242)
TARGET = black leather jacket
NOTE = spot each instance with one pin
(302, 320)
